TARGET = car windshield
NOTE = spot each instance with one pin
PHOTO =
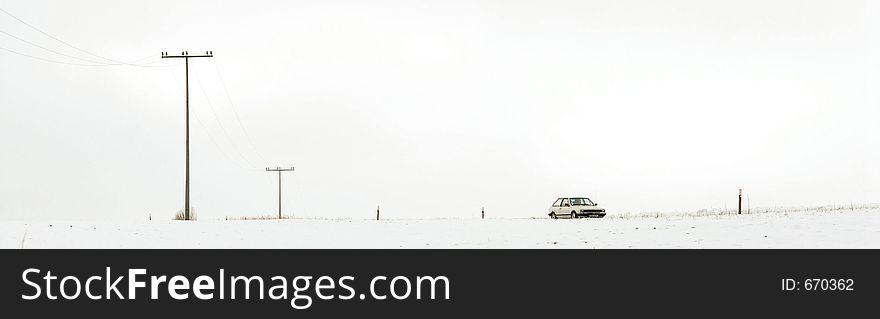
(581, 201)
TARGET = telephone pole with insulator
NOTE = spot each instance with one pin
(186, 56)
(279, 170)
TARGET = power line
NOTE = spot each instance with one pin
(146, 63)
(217, 119)
(50, 50)
(47, 60)
(217, 145)
(81, 59)
(146, 57)
(208, 133)
(80, 64)
(115, 62)
(237, 119)
(57, 39)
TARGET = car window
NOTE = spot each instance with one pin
(557, 203)
(581, 201)
(565, 202)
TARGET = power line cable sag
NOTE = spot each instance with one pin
(57, 39)
(50, 50)
(217, 119)
(216, 145)
(208, 133)
(46, 60)
(77, 64)
(235, 113)
(117, 62)
(99, 63)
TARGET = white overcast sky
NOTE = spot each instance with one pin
(436, 108)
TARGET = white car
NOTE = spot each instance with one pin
(574, 207)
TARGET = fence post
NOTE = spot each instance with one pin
(377, 212)
(739, 209)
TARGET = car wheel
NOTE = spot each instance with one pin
(574, 215)
(553, 215)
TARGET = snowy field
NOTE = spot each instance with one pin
(821, 227)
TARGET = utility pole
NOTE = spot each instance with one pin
(739, 209)
(279, 170)
(185, 56)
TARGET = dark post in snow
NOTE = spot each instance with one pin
(186, 56)
(483, 212)
(739, 209)
(377, 212)
(279, 170)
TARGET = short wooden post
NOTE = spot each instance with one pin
(739, 209)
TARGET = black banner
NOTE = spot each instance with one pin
(437, 283)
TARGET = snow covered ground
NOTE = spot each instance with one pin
(790, 228)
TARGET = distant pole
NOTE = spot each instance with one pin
(185, 56)
(483, 212)
(377, 212)
(739, 209)
(279, 194)
(279, 170)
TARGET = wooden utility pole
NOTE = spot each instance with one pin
(186, 56)
(279, 170)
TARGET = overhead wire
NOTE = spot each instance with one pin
(113, 62)
(217, 145)
(57, 39)
(208, 133)
(217, 118)
(48, 49)
(82, 64)
(47, 60)
(92, 62)
(235, 113)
